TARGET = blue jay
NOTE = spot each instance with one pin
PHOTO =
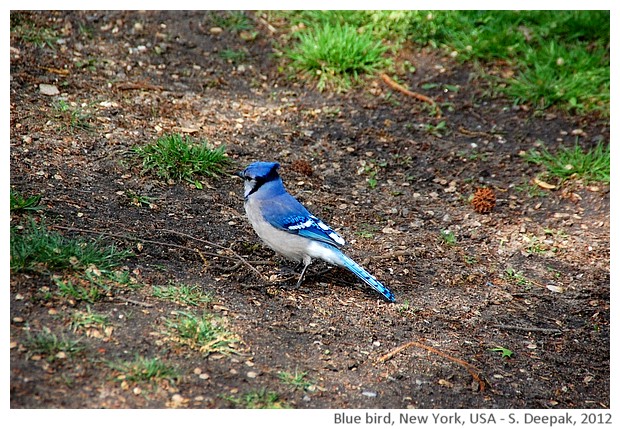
(291, 230)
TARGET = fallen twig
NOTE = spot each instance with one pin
(398, 87)
(209, 243)
(133, 301)
(471, 133)
(134, 238)
(63, 72)
(236, 256)
(231, 268)
(470, 368)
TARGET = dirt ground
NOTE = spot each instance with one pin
(531, 276)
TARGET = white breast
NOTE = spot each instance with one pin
(287, 244)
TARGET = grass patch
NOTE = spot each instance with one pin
(37, 249)
(233, 56)
(531, 190)
(71, 117)
(388, 25)
(407, 308)
(182, 294)
(568, 163)
(27, 30)
(78, 289)
(535, 245)
(258, 399)
(21, 203)
(142, 369)
(139, 200)
(371, 170)
(49, 344)
(448, 237)
(556, 57)
(205, 333)
(517, 277)
(92, 284)
(233, 21)
(86, 320)
(85, 270)
(297, 380)
(367, 230)
(542, 58)
(337, 55)
(438, 130)
(173, 157)
(563, 76)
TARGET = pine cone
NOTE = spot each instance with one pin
(484, 200)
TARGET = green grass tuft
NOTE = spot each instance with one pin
(71, 116)
(49, 344)
(183, 294)
(337, 55)
(448, 237)
(258, 399)
(233, 21)
(20, 203)
(297, 380)
(561, 75)
(233, 56)
(37, 249)
(205, 333)
(590, 166)
(173, 157)
(82, 320)
(143, 369)
(79, 290)
(23, 27)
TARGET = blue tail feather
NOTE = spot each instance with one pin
(364, 275)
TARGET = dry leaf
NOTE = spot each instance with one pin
(544, 185)
(557, 289)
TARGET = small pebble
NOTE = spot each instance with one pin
(47, 89)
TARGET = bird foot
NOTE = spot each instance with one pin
(287, 270)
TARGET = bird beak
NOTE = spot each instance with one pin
(239, 174)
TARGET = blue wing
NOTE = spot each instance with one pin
(286, 213)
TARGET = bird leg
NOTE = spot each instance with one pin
(301, 276)
(287, 270)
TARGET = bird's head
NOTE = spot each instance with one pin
(257, 174)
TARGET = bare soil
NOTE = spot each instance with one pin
(134, 76)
